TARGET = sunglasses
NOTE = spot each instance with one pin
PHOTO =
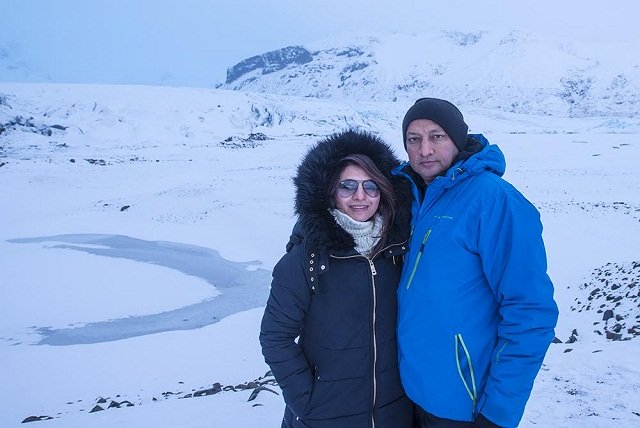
(349, 187)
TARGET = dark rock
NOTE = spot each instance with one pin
(270, 62)
(568, 350)
(257, 136)
(125, 207)
(244, 143)
(213, 390)
(607, 314)
(100, 162)
(613, 336)
(101, 400)
(96, 408)
(574, 336)
(350, 52)
(257, 390)
(36, 418)
(355, 67)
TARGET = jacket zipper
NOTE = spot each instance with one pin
(418, 257)
(471, 389)
(375, 346)
(374, 272)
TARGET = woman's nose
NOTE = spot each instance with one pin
(359, 193)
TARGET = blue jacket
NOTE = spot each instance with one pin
(476, 308)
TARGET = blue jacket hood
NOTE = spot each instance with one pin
(490, 158)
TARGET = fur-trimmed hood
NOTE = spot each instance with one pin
(312, 183)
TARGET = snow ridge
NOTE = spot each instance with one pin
(509, 71)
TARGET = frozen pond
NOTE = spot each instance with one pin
(242, 286)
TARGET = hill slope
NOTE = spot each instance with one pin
(510, 71)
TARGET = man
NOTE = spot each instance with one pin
(476, 308)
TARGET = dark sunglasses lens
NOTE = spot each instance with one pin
(371, 188)
(347, 188)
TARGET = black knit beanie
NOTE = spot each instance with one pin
(441, 112)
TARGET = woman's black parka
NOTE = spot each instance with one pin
(343, 370)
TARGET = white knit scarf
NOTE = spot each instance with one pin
(366, 234)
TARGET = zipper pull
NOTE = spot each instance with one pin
(373, 268)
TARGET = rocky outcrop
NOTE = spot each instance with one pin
(28, 124)
(252, 141)
(270, 62)
(36, 418)
(256, 386)
(612, 295)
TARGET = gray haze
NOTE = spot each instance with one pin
(192, 42)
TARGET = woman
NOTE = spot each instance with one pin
(336, 289)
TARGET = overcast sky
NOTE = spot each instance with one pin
(192, 42)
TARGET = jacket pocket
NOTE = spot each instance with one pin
(334, 398)
(465, 370)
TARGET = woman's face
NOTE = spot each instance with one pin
(360, 206)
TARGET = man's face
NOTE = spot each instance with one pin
(431, 151)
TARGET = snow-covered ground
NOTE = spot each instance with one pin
(139, 225)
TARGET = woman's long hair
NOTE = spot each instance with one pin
(387, 207)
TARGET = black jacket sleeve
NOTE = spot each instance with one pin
(282, 322)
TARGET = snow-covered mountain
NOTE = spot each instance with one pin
(510, 71)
